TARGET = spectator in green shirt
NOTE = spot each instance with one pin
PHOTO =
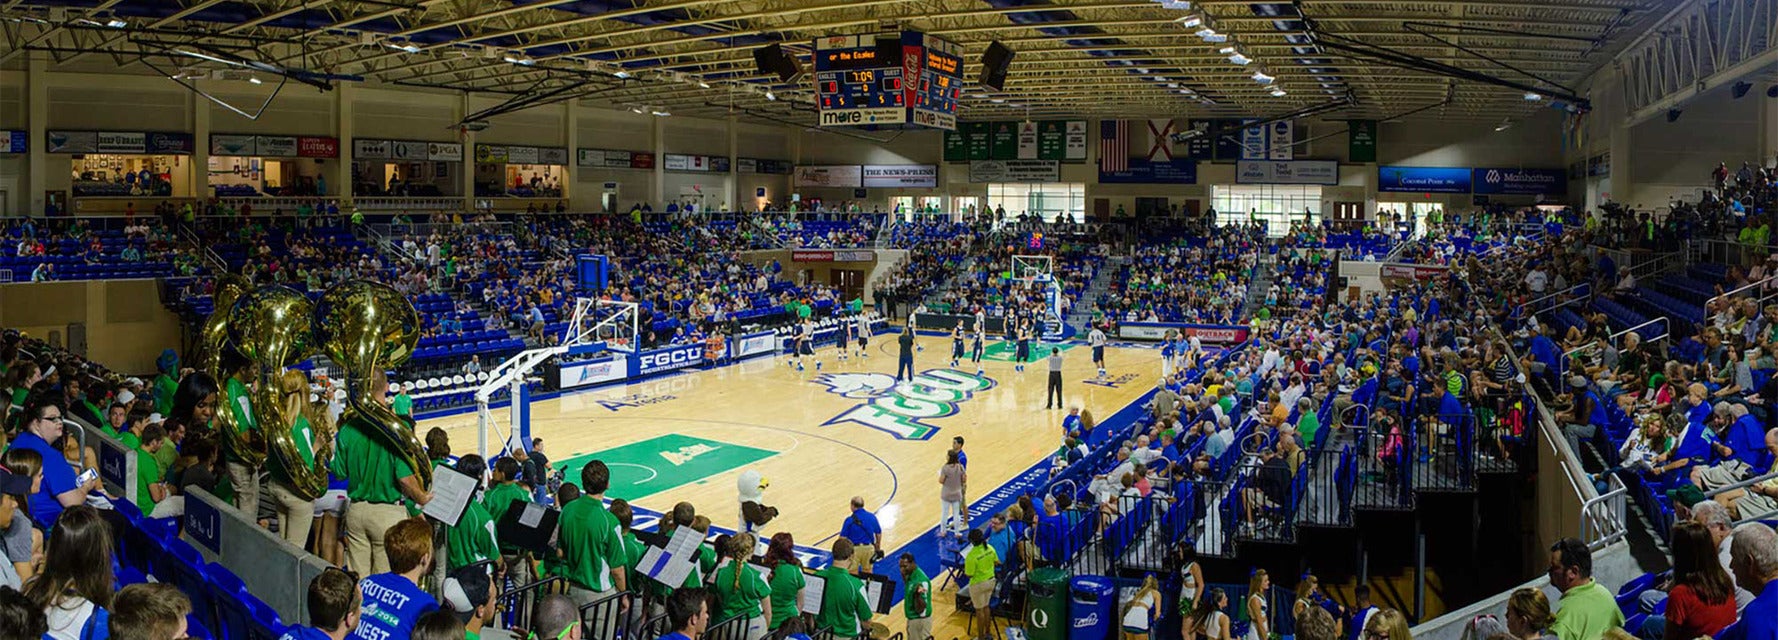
(167, 383)
(1587, 610)
(741, 590)
(916, 602)
(151, 486)
(591, 543)
(979, 564)
(633, 548)
(787, 579)
(403, 405)
(504, 495)
(843, 607)
(472, 539)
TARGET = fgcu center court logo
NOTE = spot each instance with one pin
(902, 410)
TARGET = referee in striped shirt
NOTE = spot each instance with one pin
(1052, 398)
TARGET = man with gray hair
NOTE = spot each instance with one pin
(1755, 567)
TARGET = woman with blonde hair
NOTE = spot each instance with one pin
(1388, 624)
(1528, 615)
(1258, 612)
(1139, 615)
(741, 590)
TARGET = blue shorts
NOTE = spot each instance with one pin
(1098, 353)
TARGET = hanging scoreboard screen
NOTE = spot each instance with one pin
(858, 80)
(892, 79)
(934, 101)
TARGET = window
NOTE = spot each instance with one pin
(1046, 199)
(1278, 205)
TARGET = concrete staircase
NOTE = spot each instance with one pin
(1082, 311)
(1258, 287)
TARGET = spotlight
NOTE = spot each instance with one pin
(770, 96)
(1673, 115)
(1741, 89)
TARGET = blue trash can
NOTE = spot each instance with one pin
(1091, 602)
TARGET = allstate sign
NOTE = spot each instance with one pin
(580, 374)
(668, 359)
(1531, 182)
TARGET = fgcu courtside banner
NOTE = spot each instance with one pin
(667, 359)
(1217, 334)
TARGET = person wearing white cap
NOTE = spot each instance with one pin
(469, 594)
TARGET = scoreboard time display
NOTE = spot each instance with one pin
(893, 79)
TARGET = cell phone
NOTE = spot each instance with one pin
(86, 476)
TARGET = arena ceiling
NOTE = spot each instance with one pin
(1128, 58)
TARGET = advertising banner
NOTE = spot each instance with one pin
(1175, 171)
(71, 141)
(521, 155)
(1532, 182)
(1216, 334)
(12, 141)
(752, 345)
(444, 151)
(180, 143)
(401, 150)
(222, 144)
(834, 255)
(490, 153)
(1324, 172)
(900, 175)
(370, 149)
(307, 147)
(580, 374)
(1015, 171)
(848, 176)
(1423, 179)
(552, 155)
(1411, 271)
(276, 146)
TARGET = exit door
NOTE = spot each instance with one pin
(1348, 214)
(849, 281)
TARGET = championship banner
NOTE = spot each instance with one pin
(1027, 171)
(1361, 140)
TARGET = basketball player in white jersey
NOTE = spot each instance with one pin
(1096, 340)
(913, 323)
(863, 335)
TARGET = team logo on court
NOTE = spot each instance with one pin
(903, 410)
(686, 453)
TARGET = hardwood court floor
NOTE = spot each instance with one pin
(687, 437)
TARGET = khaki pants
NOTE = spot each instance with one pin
(246, 481)
(861, 555)
(981, 593)
(366, 522)
(919, 629)
(295, 515)
(605, 618)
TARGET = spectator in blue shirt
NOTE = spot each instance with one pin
(394, 601)
(1001, 537)
(61, 486)
(1753, 557)
(333, 608)
(866, 535)
(963, 459)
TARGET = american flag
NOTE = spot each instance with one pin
(1114, 145)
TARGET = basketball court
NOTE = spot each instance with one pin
(822, 437)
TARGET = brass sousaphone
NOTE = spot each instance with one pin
(271, 327)
(366, 327)
(215, 339)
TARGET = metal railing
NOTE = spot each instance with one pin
(1729, 251)
(1767, 281)
(1748, 485)
(1615, 338)
(1659, 264)
(1571, 292)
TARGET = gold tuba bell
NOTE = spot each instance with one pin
(280, 403)
(270, 326)
(213, 338)
(366, 327)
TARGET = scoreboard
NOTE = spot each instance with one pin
(893, 79)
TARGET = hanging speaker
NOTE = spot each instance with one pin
(771, 60)
(995, 63)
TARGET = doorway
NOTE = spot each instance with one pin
(849, 281)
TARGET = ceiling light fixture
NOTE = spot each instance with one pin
(1176, 5)
(703, 84)
(1277, 92)
(1260, 76)
(116, 23)
(1190, 21)
(1532, 96)
(636, 110)
(1504, 125)
(661, 112)
(621, 74)
(1228, 50)
(255, 80)
(770, 95)
(1240, 59)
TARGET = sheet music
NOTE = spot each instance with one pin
(671, 565)
(873, 593)
(532, 515)
(451, 493)
(812, 591)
